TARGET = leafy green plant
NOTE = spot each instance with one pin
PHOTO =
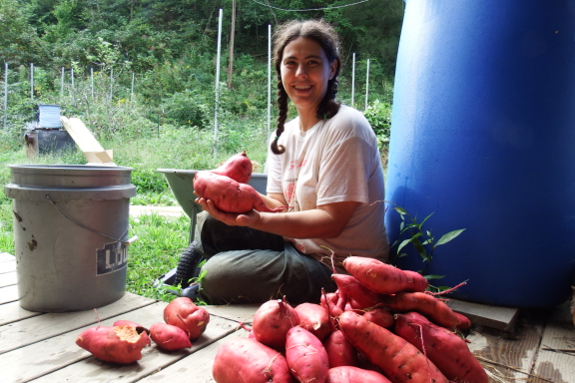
(379, 116)
(422, 240)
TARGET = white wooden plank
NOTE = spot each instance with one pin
(12, 312)
(5, 257)
(241, 313)
(41, 358)
(8, 294)
(8, 265)
(513, 355)
(153, 360)
(7, 279)
(81, 135)
(38, 328)
(197, 369)
(553, 362)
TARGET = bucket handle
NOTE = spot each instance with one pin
(125, 243)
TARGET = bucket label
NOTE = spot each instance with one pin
(111, 258)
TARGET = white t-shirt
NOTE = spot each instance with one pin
(337, 160)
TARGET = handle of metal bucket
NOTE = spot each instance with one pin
(125, 243)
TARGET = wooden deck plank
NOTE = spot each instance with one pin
(193, 369)
(12, 312)
(9, 278)
(7, 263)
(6, 257)
(239, 313)
(8, 294)
(559, 334)
(37, 359)
(515, 354)
(152, 360)
(35, 329)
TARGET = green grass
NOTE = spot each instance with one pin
(160, 242)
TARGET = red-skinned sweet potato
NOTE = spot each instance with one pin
(340, 351)
(444, 348)
(434, 309)
(464, 322)
(169, 337)
(245, 360)
(399, 360)
(380, 316)
(306, 356)
(238, 167)
(350, 374)
(333, 303)
(119, 344)
(355, 293)
(272, 321)
(183, 313)
(383, 278)
(229, 195)
(315, 319)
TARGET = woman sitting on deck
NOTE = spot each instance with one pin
(324, 165)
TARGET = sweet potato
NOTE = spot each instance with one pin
(399, 360)
(383, 278)
(306, 356)
(436, 310)
(238, 167)
(169, 337)
(355, 293)
(350, 374)
(272, 321)
(245, 360)
(333, 303)
(444, 348)
(315, 319)
(118, 344)
(380, 316)
(339, 350)
(183, 313)
(229, 195)
(464, 322)
(139, 328)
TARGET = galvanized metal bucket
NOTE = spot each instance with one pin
(70, 234)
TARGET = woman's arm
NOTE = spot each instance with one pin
(326, 221)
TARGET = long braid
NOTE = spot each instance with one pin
(282, 117)
(328, 106)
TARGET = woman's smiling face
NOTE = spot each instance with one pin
(305, 72)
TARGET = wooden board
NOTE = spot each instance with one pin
(556, 359)
(152, 360)
(7, 263)
(8, 294)
(7, 279)
(12, 312)
(93, 151)
(191, 369)
(45, 326)
(502, 318)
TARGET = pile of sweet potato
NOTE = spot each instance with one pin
(123, 341)
(380, 326)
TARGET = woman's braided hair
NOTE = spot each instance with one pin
(324, 34)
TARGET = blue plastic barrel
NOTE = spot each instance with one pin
(483, 136)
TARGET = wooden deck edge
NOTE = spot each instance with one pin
(498, 317)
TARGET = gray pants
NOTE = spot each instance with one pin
(250, 266)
